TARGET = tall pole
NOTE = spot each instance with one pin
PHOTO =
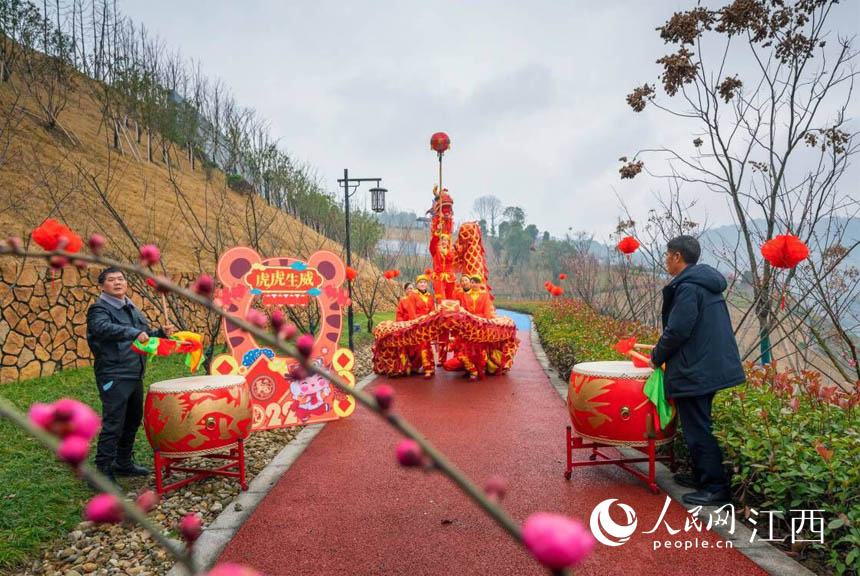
(348, 250)
(440, 173)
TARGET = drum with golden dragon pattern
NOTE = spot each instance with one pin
(607, 405)
(197, 415)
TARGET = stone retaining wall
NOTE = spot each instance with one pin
(43, 327)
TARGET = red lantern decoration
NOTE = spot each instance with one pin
(389, 274)
(396, 273)
(784, 251)
(557, 290)
(51, 235)
(628, 245)
(440, 142)
(562, 276)
(351, 273)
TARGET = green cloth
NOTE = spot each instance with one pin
(653, 389)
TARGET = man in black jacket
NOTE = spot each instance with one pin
(701, 355)
(113, 324)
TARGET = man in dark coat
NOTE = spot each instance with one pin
(113, 324)
(701, 356)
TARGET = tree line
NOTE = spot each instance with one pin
(149, 93)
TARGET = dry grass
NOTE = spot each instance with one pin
(190, 216)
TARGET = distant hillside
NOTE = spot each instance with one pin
(92, 186)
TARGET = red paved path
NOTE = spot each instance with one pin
(345, 507)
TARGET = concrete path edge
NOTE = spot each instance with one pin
(762, 553)
(216, 536)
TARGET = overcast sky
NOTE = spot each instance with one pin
(532, 94)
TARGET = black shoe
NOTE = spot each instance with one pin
(130, 469)
(686, 480)
(706, 498)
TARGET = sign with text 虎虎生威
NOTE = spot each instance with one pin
(281, 395)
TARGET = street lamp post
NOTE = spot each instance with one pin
(377, 204)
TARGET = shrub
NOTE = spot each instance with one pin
(571, 332)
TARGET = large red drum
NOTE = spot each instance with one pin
(607, 405)
(197, 415)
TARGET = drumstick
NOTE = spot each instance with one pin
(638, 356)
(644, 346)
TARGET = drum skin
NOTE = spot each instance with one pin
(197, 415)
(607, 405)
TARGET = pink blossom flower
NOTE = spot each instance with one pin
(557, 541)
(104, 508)
(795, 404)
(42, 415)
(191, 527)
(305, 344)
(148, 500)
(149, 254)
(204, 285)
(288, 332)
(495, 488)
(409, 453)
(256, 317)
(57, 262)
(96, 243)
(15, 243)
(230, 569)
(278, 320)
(297, 372)
(79, 419)
(73, 449)
(384, 395)
(66, 417)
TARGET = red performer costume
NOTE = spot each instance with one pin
(445, 259)
(422, 305)
(405, 311)
(473, 355)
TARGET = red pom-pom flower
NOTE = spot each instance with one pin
(51, 235)
(628, 245)
(351, 273)
(784, 251)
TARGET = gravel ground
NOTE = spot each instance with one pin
(125, 549)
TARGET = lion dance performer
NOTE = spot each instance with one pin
(473, 355)
(445, 259)
(405, 311)
(422, 305)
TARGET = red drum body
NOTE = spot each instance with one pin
(197, 415)
(607, 405)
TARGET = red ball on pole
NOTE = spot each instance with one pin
(440, 142)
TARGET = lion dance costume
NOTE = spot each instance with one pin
(483, 342)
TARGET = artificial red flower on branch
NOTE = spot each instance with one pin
(51, 235)
(628, 245)
(784, 251)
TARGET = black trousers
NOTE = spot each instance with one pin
(122, 412)
(695, 413)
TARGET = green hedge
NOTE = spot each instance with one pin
(790, 441)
